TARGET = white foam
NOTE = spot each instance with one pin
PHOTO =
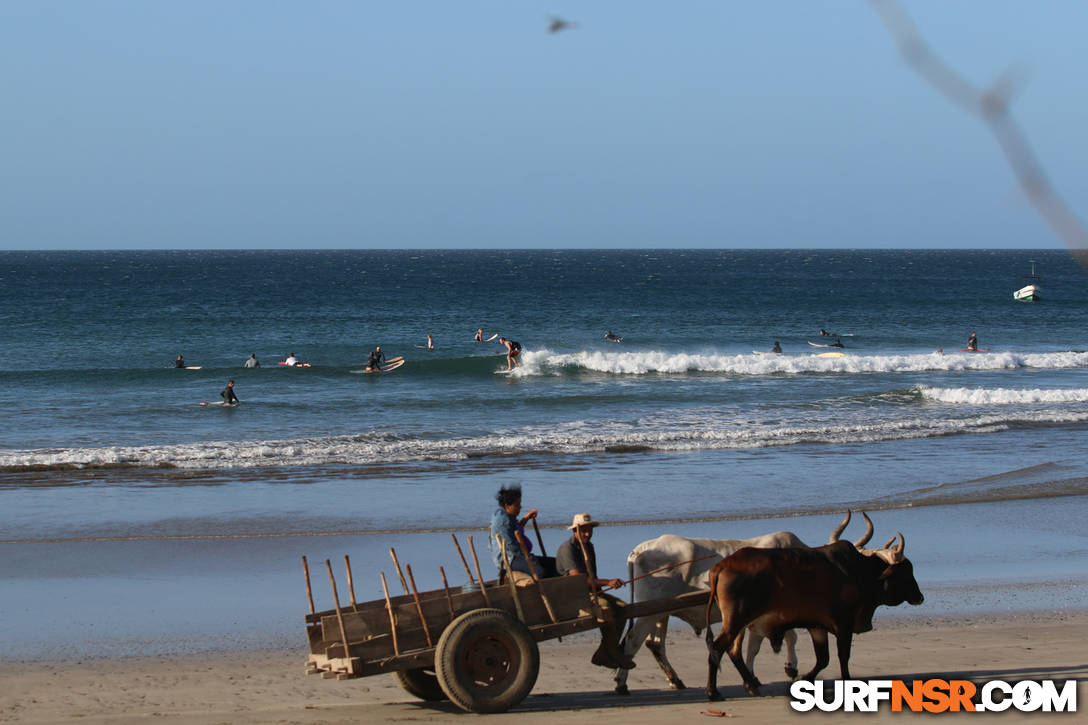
(545, 362)
(1003, 396)
(670, 431)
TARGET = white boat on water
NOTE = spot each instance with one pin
(1028, 293)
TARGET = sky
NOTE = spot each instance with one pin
(253, 124)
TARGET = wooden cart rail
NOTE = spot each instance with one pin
(370, 638)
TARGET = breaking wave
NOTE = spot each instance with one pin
(1003, 396)
(685, 431)
(546, 362)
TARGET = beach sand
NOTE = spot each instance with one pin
(271, 687)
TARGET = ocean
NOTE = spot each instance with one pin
(681, 425)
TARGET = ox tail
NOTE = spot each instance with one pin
(630, 597)
(713, 581)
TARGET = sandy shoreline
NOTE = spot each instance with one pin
(270, 686)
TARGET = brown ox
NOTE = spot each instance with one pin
(832, 588)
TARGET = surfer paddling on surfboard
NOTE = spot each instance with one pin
(612, 337)
(513, 349)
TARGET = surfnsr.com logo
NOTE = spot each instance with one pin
(934, 696)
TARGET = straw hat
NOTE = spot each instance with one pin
(583, 520)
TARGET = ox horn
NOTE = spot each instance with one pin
(837, 531)
(902, 544)
(868, 532)
(888, 543)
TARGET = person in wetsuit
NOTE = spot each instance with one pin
(179, 363)
(229, 398)
(375, 359)
(777, 348)
(972, 342)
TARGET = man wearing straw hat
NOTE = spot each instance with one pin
(576, 556)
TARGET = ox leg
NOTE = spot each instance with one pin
(843, 641)
(819, 645)
(656, 645)
(730, 640)
(637, 633)
(791, 654)
(755, 641)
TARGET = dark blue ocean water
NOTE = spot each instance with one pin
(680, 420)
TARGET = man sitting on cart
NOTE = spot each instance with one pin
(575, 556)
(505, 523)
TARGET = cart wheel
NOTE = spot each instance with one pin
(422, 683)
(486, 661)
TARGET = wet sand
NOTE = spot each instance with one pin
(270, 687)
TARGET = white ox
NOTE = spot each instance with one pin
(679, 566)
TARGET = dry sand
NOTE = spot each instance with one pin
(270, 687)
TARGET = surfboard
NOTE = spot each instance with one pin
(424, 347)
(223, 403)
(492, 337)
(816, 344)
(296, 365)
(384, 368)
(506, 372)
(981, 349)
(832, 354)
(187, 367)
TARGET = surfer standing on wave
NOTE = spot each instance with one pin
(513, 349)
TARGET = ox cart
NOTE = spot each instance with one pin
(474, 645)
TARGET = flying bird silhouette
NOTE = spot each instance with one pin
(558, 24)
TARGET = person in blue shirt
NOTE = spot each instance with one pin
(505, 523)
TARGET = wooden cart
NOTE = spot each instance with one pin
(474, 645)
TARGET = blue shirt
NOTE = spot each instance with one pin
(505, 526)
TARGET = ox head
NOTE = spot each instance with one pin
(897, 581)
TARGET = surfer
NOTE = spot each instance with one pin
(479, 334)
(777, 349)
(179, 363)
(291, 360)
(612, 338)
(513, 349)
(374, 360)
(430, 343)
(229, 398)
(972, 342)
(837, 343)
(252, 361)
(824, 333)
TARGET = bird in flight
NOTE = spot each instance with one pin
(558, 24)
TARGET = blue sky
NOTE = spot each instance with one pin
(350, 124)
